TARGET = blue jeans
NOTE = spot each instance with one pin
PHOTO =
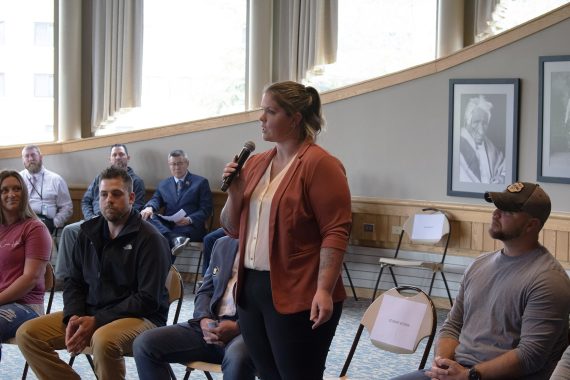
(183, 343)
(12, 315)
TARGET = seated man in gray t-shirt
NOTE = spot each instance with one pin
(510, 318)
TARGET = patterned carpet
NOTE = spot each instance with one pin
(368, 362)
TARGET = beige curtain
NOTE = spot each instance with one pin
(304, 36)
(114, 57)
(484, 10)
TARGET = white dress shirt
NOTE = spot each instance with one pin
(227, 306)
(257, 232)
(48, 192)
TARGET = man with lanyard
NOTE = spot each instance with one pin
(48, 192)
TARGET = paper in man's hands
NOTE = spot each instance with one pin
(181, 214)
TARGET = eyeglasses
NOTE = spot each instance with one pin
(179, 163)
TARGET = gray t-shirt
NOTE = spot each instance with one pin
(507, 303)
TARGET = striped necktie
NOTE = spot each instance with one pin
(178, 188)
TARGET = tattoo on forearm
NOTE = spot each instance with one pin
(329, 267)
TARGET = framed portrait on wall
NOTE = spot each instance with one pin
(554, 119)
(483, 135)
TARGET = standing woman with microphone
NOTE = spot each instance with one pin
(290, 208)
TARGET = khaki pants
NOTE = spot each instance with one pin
(40, 337)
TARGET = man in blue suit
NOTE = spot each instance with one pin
(184, 192)
(212, 335)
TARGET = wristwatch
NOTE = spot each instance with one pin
(473, 374)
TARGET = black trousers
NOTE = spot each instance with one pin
(283, 346)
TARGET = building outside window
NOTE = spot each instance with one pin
(43, 34)
(43, 85)
(2, 33)
(2, 85)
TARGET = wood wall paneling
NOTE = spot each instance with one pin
(469, 238)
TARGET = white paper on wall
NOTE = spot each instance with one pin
(428, 227)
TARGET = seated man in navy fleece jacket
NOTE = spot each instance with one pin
(115, 289)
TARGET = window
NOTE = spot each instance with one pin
(510, 13)
(194, 63)
(377, 37)
(27, 67)
(194, 56)
(43, 34)
(43, 85)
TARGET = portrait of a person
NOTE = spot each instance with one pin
(480, 160)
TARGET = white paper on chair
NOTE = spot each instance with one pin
(428, 227)
(398, 322)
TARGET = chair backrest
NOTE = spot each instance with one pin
(49, 281)
(428, 227)
(398, 322)
(175, 288)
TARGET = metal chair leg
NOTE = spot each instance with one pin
(393, 276)
(25, 373)
(197, 271)
(431, 283)
(90, 360)
(350, 281)
(377, 283)
(447, 288)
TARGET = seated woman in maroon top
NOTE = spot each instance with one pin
(25, 248)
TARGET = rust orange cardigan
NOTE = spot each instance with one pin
(310, 210)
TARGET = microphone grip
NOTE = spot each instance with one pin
(227, 181)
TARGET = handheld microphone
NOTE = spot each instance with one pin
(248, 147)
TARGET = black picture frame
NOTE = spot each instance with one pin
(482, 158)
(554, 119)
